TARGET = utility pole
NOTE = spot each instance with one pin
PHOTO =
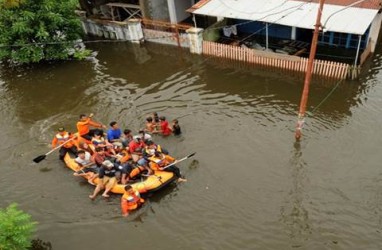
(308, 73)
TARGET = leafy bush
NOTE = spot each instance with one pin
(36, 30)
(16, 228)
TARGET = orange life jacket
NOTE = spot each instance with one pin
(156, 162)
(130, 201)
(125, 156)
(136, 171)
(60, 139)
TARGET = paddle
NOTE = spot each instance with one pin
(42, 157)
(177, 161)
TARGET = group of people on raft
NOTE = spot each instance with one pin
(118, 157)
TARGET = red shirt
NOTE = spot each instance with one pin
(136, 147)
(165, 128)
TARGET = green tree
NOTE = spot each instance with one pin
(37, 30)
(16, 228)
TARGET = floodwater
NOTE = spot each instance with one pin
(250, 186)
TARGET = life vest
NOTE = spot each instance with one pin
(130, 201)
(164, 160)
(151, 151)
(136, 171)
(63, 138)
(125, 156)
(156, 162)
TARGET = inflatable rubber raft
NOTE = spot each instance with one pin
(150, 184)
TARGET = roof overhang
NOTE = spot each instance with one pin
(299, 14)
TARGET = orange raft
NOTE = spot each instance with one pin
(152, 183)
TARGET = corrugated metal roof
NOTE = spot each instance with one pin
(291, 13)
(367, 4)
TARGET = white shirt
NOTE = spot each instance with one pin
(84, 161)
(146, 137)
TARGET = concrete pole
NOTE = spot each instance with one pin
(357, 54)
(135, 30)
(195, 37)
(266, 36)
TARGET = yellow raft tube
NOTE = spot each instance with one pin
(152, 183)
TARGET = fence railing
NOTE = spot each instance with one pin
(169, 31)
(269, 59)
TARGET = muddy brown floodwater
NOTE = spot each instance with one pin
(250, 186)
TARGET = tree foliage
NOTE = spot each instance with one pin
(36, 30)
(16, 228)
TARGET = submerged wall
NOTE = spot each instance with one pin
(121, 31)
(109, 30)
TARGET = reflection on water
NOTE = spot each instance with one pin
(294, 214)
(248, 187)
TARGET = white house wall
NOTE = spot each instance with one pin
(177, 9)
(156, 9)
(374, 31)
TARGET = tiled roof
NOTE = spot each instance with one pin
(367, 4)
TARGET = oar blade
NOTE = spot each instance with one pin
(39, 158)
(191, 155)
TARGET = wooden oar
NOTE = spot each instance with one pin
(42, 157)
(177, 161)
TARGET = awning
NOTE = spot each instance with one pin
(290, 13)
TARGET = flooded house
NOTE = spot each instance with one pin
(275, 33)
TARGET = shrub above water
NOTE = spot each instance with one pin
(38, 30)
(16, 228)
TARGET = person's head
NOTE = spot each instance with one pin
(137, 138)
(114, 125)
(81, 154)
(108, 164)
(149, 119)
(158, 154)
(83, 117)
(141, 132)
(149, 142)
(128, 188)
(162, 118)
(127, 132)
(97, 134)
(155, 114)
(100, 151)
(61, 130)
(175, 121)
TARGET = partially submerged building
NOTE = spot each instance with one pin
(274, 33)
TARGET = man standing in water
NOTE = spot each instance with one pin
(164, 126)
(130, 200)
